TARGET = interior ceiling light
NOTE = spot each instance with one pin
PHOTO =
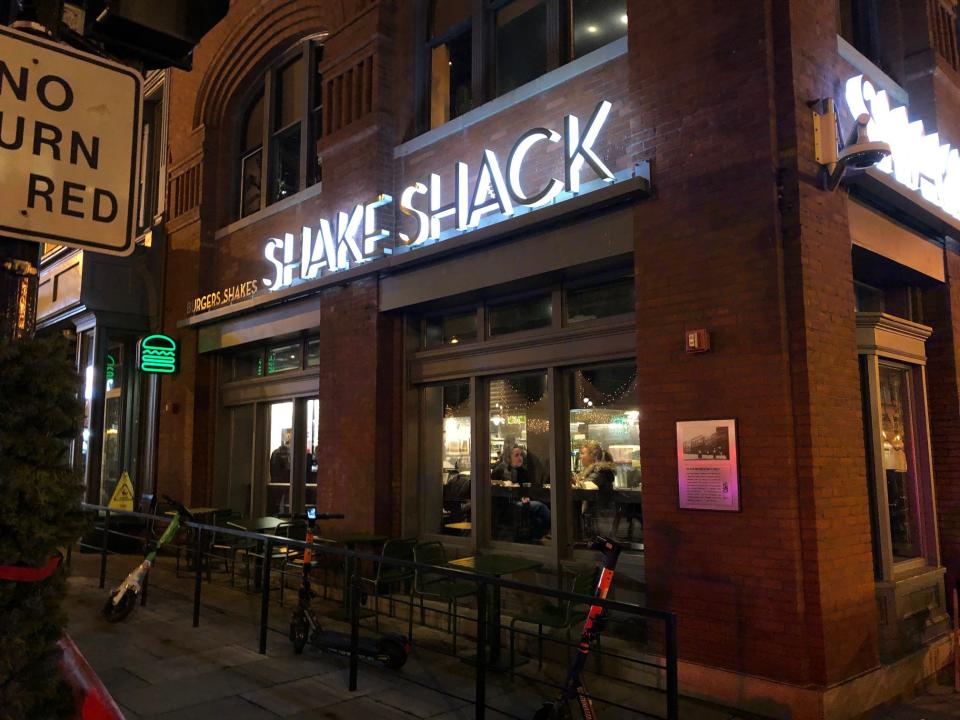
(623, 18)
(591, 28)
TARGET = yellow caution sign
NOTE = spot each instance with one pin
(122, 498)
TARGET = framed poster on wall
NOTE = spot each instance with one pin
(707, 472)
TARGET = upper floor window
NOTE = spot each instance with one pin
(523, 39)
(280, 127)
(150, 195)
(449, 46)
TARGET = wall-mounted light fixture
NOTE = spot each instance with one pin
(858, 153)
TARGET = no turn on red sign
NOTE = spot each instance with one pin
(69, 145)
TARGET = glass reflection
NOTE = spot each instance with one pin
(519, 458)
(605, 453)
(896, 430)
(280, 438)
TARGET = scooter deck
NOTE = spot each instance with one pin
(340, 642)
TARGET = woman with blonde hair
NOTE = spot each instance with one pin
(597, 471)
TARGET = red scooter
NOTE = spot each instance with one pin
(573, 688)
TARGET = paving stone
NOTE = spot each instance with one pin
(421, 702)
(191, 690)
(362, 708)
(234, 708)
(297, 696)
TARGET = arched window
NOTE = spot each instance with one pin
(277, 144)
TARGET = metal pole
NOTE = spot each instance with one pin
(103, 548)
(354, 622)
(673, 711)
(198, 574)
(480, 701)
(265, 595)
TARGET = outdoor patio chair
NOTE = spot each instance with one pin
(223, 547)
(436, 586)
(561, 616)
(387, 575)
(280, 554)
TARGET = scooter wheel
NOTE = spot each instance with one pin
(298, 634)
(115, 612)
(391, 653)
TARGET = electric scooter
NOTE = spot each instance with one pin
(574, 688)
(123, 598)
(305, 626)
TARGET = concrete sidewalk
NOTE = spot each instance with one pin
(157, 665)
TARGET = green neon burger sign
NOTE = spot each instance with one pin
(157, 354)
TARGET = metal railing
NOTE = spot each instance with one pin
(198, 548)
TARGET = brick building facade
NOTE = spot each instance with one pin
(801, 603)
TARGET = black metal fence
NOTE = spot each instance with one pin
(200, 536)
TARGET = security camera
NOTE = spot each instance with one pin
(857, 154)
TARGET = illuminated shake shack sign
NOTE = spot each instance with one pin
(491, 192)
(918, 161)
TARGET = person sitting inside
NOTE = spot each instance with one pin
(520, 467)
(596, 472)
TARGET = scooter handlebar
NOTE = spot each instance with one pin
(597, 543)
(321, 516)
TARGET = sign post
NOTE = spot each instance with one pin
(69, 154)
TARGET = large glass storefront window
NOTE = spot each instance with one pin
(446, 454)
(113, 407)
(896, 434)
(604, 427)
(519, 454)
(87, 370)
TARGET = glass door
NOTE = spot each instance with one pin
(111, 465)
(312, 433)
(280, 448)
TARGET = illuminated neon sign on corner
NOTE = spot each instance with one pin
(355, 237)
(918, 161)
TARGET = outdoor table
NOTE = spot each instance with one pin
(497, 566)
(350, 541)
(465, 526)
(266, 525)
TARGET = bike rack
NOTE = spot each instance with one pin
(205, 531)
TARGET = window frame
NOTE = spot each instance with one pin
(482, 23)
(885, 340)
(309, 51)
(605, 341)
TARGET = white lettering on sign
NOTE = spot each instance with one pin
(69, 145)
(496, 192)
(352, 239)
(918, 161)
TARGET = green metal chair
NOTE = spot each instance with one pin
(562, 616)
(223, 547)
(388, 575)
(279, 554)
(436, 586)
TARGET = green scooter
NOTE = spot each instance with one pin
(123, 598)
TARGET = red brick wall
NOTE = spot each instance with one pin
(941, 306)
(783, 589)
